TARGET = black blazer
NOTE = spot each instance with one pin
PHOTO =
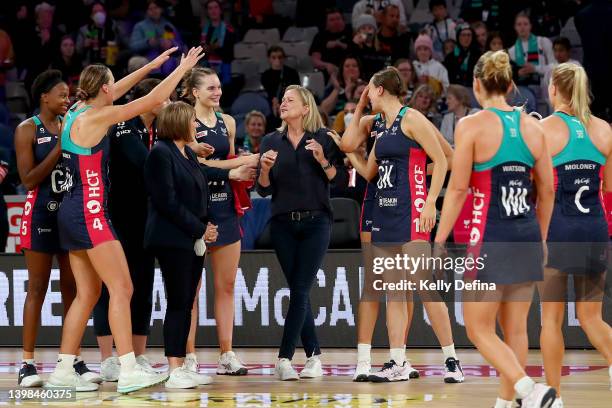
(178, 196)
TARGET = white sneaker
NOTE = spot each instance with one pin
(312, 368)
(81, 368)
(192, 370)
(144, 361)
(362, 372)
(229, 364)
(190, 363)
(542, 396)
(452, 371)
(69, 379)
(557, 404)
(28, 376)
(285, 371)
(392, 372)
(412, 372)
(110, 369)
(181, 379)
(138, 378)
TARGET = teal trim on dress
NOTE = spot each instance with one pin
(67, 143)
(579, 146)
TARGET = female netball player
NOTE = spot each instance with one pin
(85, 230)
(580, 145)
(37, 162)
(202, 87)
(399, 151)
(368, 129)
(496, 151)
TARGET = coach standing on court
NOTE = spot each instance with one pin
(298, 162)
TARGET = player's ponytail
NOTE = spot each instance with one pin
(91, 80)
(572, 83)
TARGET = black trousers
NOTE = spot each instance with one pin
(181, 270)
(142, 271)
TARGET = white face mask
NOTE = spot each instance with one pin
(347, 119)
(99, 18)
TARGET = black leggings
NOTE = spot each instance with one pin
(182, 270)
(142, 271)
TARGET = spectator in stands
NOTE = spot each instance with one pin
(7, 60)
(255, 129)
(43, 42)
(459, 105)
(180, 13)
(406, 70)
(376, 8)
(342, 87)
(95, 37)
(154, 35)
(21, 33)
(442, 27)
(279, 76)
(495, 42)
(218, 38)
(390, 41)
(479, 10)
(69, 63)
(480, 29)
(428, 70)
(532, 54)
(461, 62)
(562, 49)
(364, 47)
(424, 100)
(449, 47)
(343, 118)
(329, 46)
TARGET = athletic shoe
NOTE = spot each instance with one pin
(138, 378)
(453, 373)
(81, 368)
(229, 364)
(285, 371)
(192, 370)
(362, 372)
(412, 372)
(144, 361)
(110, 369)
(190, 363)
(557, 404)
(28, 376)
(181, 379)
(391, 372)
(312, 368)
(542, 396)
(69, 379)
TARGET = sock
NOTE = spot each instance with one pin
(77, 359)
(398, 355)
(610, 370)
(192, 356)
(449, 351)
(363, 352)
(65, 362)
(501, 403)
(128, 361)
(28, 361)
(559, 400)
(524, 386)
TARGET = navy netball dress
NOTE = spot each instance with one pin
(221, 209)
(504, 229)
(39, 230)
(365, 221)
(401, 188)
(578, 232)
(83, 216)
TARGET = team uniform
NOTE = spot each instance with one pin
(578, 232)
(221, 210)
(401, 188)
(504, 229)
(365, 221)
(83, 218)
(39, 230)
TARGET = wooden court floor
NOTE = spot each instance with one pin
(585, 382)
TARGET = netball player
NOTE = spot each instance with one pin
(37, 162)
(85, 230)
(202, 87)
(369, 128)
(496, 152)
(580, 145)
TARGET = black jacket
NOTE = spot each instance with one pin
(178, 196)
